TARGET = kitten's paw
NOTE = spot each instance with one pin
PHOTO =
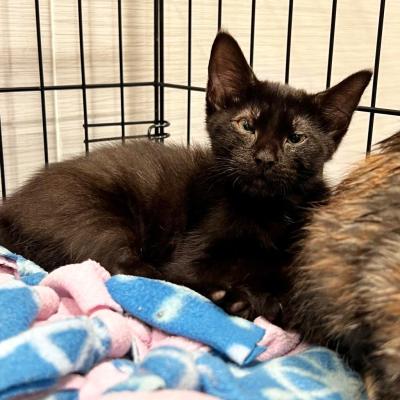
(224, 299)
(217, 295)
(238, 303)
(238, 307)
(231, 301)
(243, 303)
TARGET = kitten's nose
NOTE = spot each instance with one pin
(264, 159)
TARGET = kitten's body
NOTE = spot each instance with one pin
(157, 211)
(118, 200)
(221, 221)
(346, 290)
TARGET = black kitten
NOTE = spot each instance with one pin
(220, 220)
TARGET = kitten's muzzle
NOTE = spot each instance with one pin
(264, 159)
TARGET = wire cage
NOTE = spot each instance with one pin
(156, 127)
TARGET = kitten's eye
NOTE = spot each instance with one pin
(244, 124)
(296, 138)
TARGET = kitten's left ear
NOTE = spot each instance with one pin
(229, 75)
(339, 102)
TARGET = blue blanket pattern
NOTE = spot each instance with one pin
(34, 359)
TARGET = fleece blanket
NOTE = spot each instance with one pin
(78, 333)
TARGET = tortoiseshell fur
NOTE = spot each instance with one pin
(346, 290)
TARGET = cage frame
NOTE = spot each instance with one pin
(156, 127)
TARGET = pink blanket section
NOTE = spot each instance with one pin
(80, 290)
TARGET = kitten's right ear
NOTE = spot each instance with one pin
(229, 75)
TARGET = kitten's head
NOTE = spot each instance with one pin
(270, 138)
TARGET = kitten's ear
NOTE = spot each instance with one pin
(339, 102)
(229, 75)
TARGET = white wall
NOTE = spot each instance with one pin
(355, 39)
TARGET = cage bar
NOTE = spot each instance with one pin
(376, 74)
(104, 124)
(219, 15)
(189, 73)
(121, 69)
(156, 46)
(331, 44)
(289, 41)
(114, 138)
(41, 80)
(379, 110)
(83, 77)
(252, 31)
(72, 87)
(183, 87)
(2, 171)
(161, 66)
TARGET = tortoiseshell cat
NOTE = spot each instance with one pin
(346, 291)
(219, 220)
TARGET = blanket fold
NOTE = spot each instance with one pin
(181, 311)
(78, 333)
